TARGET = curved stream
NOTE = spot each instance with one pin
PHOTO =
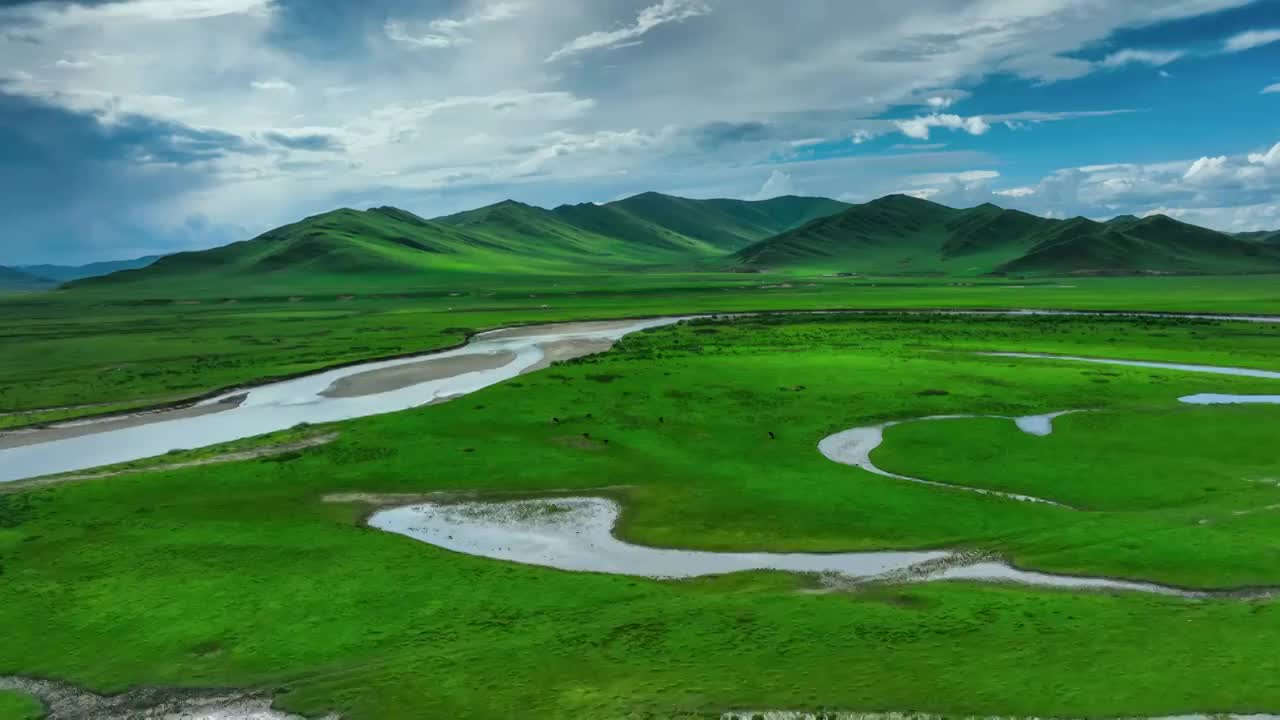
(386, 386)
(576, 534)
(854, 447)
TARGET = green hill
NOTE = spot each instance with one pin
(1263, 236)
(902, 235)
(726, 225)
(353, 251)
(695, 228)
(388, 246)
(11, 279)
(67, 273)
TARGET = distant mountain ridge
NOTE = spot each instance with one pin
(67, 273)
(13, 279)
(894, 235)
(903, 235)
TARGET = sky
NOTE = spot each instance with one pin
(133, 127)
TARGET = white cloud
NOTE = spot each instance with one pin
(1269, 159)
(1251, 39)
(156, 10)
(273, 84)
(1155, 58)
(448, 32)
(918, 146)
(66, 64)
(1271, 89)
(942, 178)
(1225, 192)
(489, 118)
(398, 31)
(806, 142)
(778, 184)
(667, 11)
(1017, 192)
(919, 127)
(1206, 170)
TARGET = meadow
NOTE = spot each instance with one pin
(114, 348)
(243, 574)
(19, 706)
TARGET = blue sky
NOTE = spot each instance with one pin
(133, 127)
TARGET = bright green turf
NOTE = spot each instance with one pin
(19, 706)
(1158, 458)
(238, 575)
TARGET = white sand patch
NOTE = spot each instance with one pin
(66, 702)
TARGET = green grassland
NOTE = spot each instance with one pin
(19, 706)
(239, 574)
(107, 348)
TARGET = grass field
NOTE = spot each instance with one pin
(113, 350)
(18, 706)
(240, 575)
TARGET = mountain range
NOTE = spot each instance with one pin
(67, 273)
(11, 279)
(903, 235)
(894, 235)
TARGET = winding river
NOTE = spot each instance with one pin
(576, 534)
(358, 391)
(392, 385)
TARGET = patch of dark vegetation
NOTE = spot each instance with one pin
(581, 442)
(603, 378)
(345, 455)
(933, 393)
(15, 510)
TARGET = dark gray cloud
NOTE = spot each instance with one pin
(718, 134)
(69, 184)
(315, 142)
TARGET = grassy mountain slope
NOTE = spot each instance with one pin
(11, 279)
(388, 245)
(726, 225)
(901, 235)
(352, 250)
(1155, 244)
(67, 273)
(534, 233)
(1263, 236)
